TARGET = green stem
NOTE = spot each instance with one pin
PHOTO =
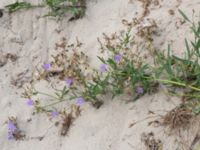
(57, 102)
(42, 93)
(174, 82)
(53, 103)
(182, 95)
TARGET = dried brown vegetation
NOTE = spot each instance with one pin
(178, 118)
(150, 142)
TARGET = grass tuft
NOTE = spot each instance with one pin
(58, 8)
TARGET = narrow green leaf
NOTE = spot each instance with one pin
(102, 60)
(188, 49)
(183, 15)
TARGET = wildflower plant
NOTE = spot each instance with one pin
(125, 68)
(123, 71)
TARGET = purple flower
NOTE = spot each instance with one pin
(10, 136)
(29, 102)
(117, 58)
(11, 126)
(103, 68)
(80, 101)
(11, 130)
(69, 81)
(46, 66)
(139, 90)
(54, 114)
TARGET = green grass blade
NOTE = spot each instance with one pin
(183, 15)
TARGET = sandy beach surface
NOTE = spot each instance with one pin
(117, 125)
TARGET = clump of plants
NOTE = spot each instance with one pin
(122, 71)
(58, 8)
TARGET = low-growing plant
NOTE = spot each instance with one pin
(122, 71)
(125, 71)
(19, 5)
(58, 8)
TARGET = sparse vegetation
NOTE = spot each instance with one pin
(123, 71)
(58, 8)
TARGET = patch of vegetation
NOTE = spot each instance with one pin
(123, 71)
(58, 8)
(150, 142)
(18, 5)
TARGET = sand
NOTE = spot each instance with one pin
(112, 126)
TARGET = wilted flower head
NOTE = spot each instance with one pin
(29, 102)
(54, 114)
(103, 68)
(117, 58)
(139, 90)
(69, 81)
(80, 101)
(46, 66)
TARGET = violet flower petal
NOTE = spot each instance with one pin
(46, 66)
(139, 90)
(80, 101)
(117, 58)
(29, 102)
(11, 126)
(69, 81)
(103, 68)
(54, 114)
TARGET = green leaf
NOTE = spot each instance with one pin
(183, 15)
(188, 49)
(102, 60)
(17, 6)
(112, 63)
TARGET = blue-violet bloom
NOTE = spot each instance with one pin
(103, 68)
(80, 101)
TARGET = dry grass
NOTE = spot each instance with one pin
(150, 142)
(178, 118)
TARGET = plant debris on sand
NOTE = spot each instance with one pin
(178, 118)
(150, 142)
